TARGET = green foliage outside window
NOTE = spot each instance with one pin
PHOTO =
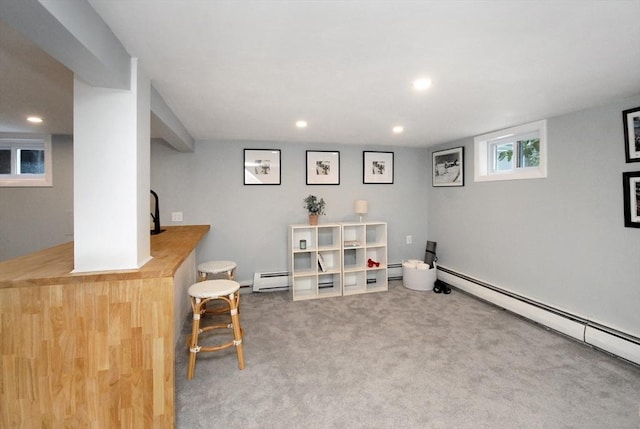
(529, 153)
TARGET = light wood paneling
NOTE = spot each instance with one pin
(90, 354)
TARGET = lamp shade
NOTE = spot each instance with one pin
(361, 207)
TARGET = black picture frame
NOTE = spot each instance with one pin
(323, 167)
(631, 121)
(631, 194)
(448, 167)
(262, 167)
(377, 167)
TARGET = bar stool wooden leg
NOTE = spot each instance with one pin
(196, 304)
(234, 300)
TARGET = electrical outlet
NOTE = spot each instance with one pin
(176, 216)
(409, 239)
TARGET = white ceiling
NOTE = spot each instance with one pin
(247, 70)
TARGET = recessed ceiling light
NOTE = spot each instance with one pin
(421, 84)
(34, 119)
(398, 129)
(301, 124)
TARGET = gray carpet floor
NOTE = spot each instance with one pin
(402, 359)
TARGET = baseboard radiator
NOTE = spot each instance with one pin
(394, 271)
(273, 281)
(599, 336)
(270, 281)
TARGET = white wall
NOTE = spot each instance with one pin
(36, 218)
(249, 223)
(559, 240)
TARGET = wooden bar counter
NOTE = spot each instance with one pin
(93, 350)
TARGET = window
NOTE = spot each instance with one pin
(25, 160)
(515, 153)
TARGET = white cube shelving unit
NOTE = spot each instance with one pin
(364, 242)
(315, 271)
(335, 259)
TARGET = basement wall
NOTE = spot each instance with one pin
(560, 240)
(249, 223)
(32, 219)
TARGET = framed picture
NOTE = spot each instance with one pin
(631, 186)
(377, 167)
(448, 167)
(323, 167)
(631, 119)
(262, 166)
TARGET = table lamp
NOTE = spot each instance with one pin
(361, 207)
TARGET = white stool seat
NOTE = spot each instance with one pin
(213, 288)
(216, 267)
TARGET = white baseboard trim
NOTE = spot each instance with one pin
(608, 339)
(617, 345)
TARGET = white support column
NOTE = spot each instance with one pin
(111, 175)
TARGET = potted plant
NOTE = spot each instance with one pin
(315, 207)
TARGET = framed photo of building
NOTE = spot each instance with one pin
(448, 167)
(631, 120)
(631, 187)
(323, 167)
(262, 167)
(377, 167)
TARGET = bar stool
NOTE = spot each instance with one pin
(217, 267)
(201, 293)
(228, 268)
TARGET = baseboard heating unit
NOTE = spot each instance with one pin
(273, 281)
(602, 337)
(270, 281)
(394, 271)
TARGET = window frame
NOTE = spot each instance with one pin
(17, 142)
(484, 157)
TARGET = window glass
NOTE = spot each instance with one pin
(501, 156)
(529, 151)
(5, 161)
(30, 161)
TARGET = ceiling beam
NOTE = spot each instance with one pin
(73, 33)
(166, 125)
